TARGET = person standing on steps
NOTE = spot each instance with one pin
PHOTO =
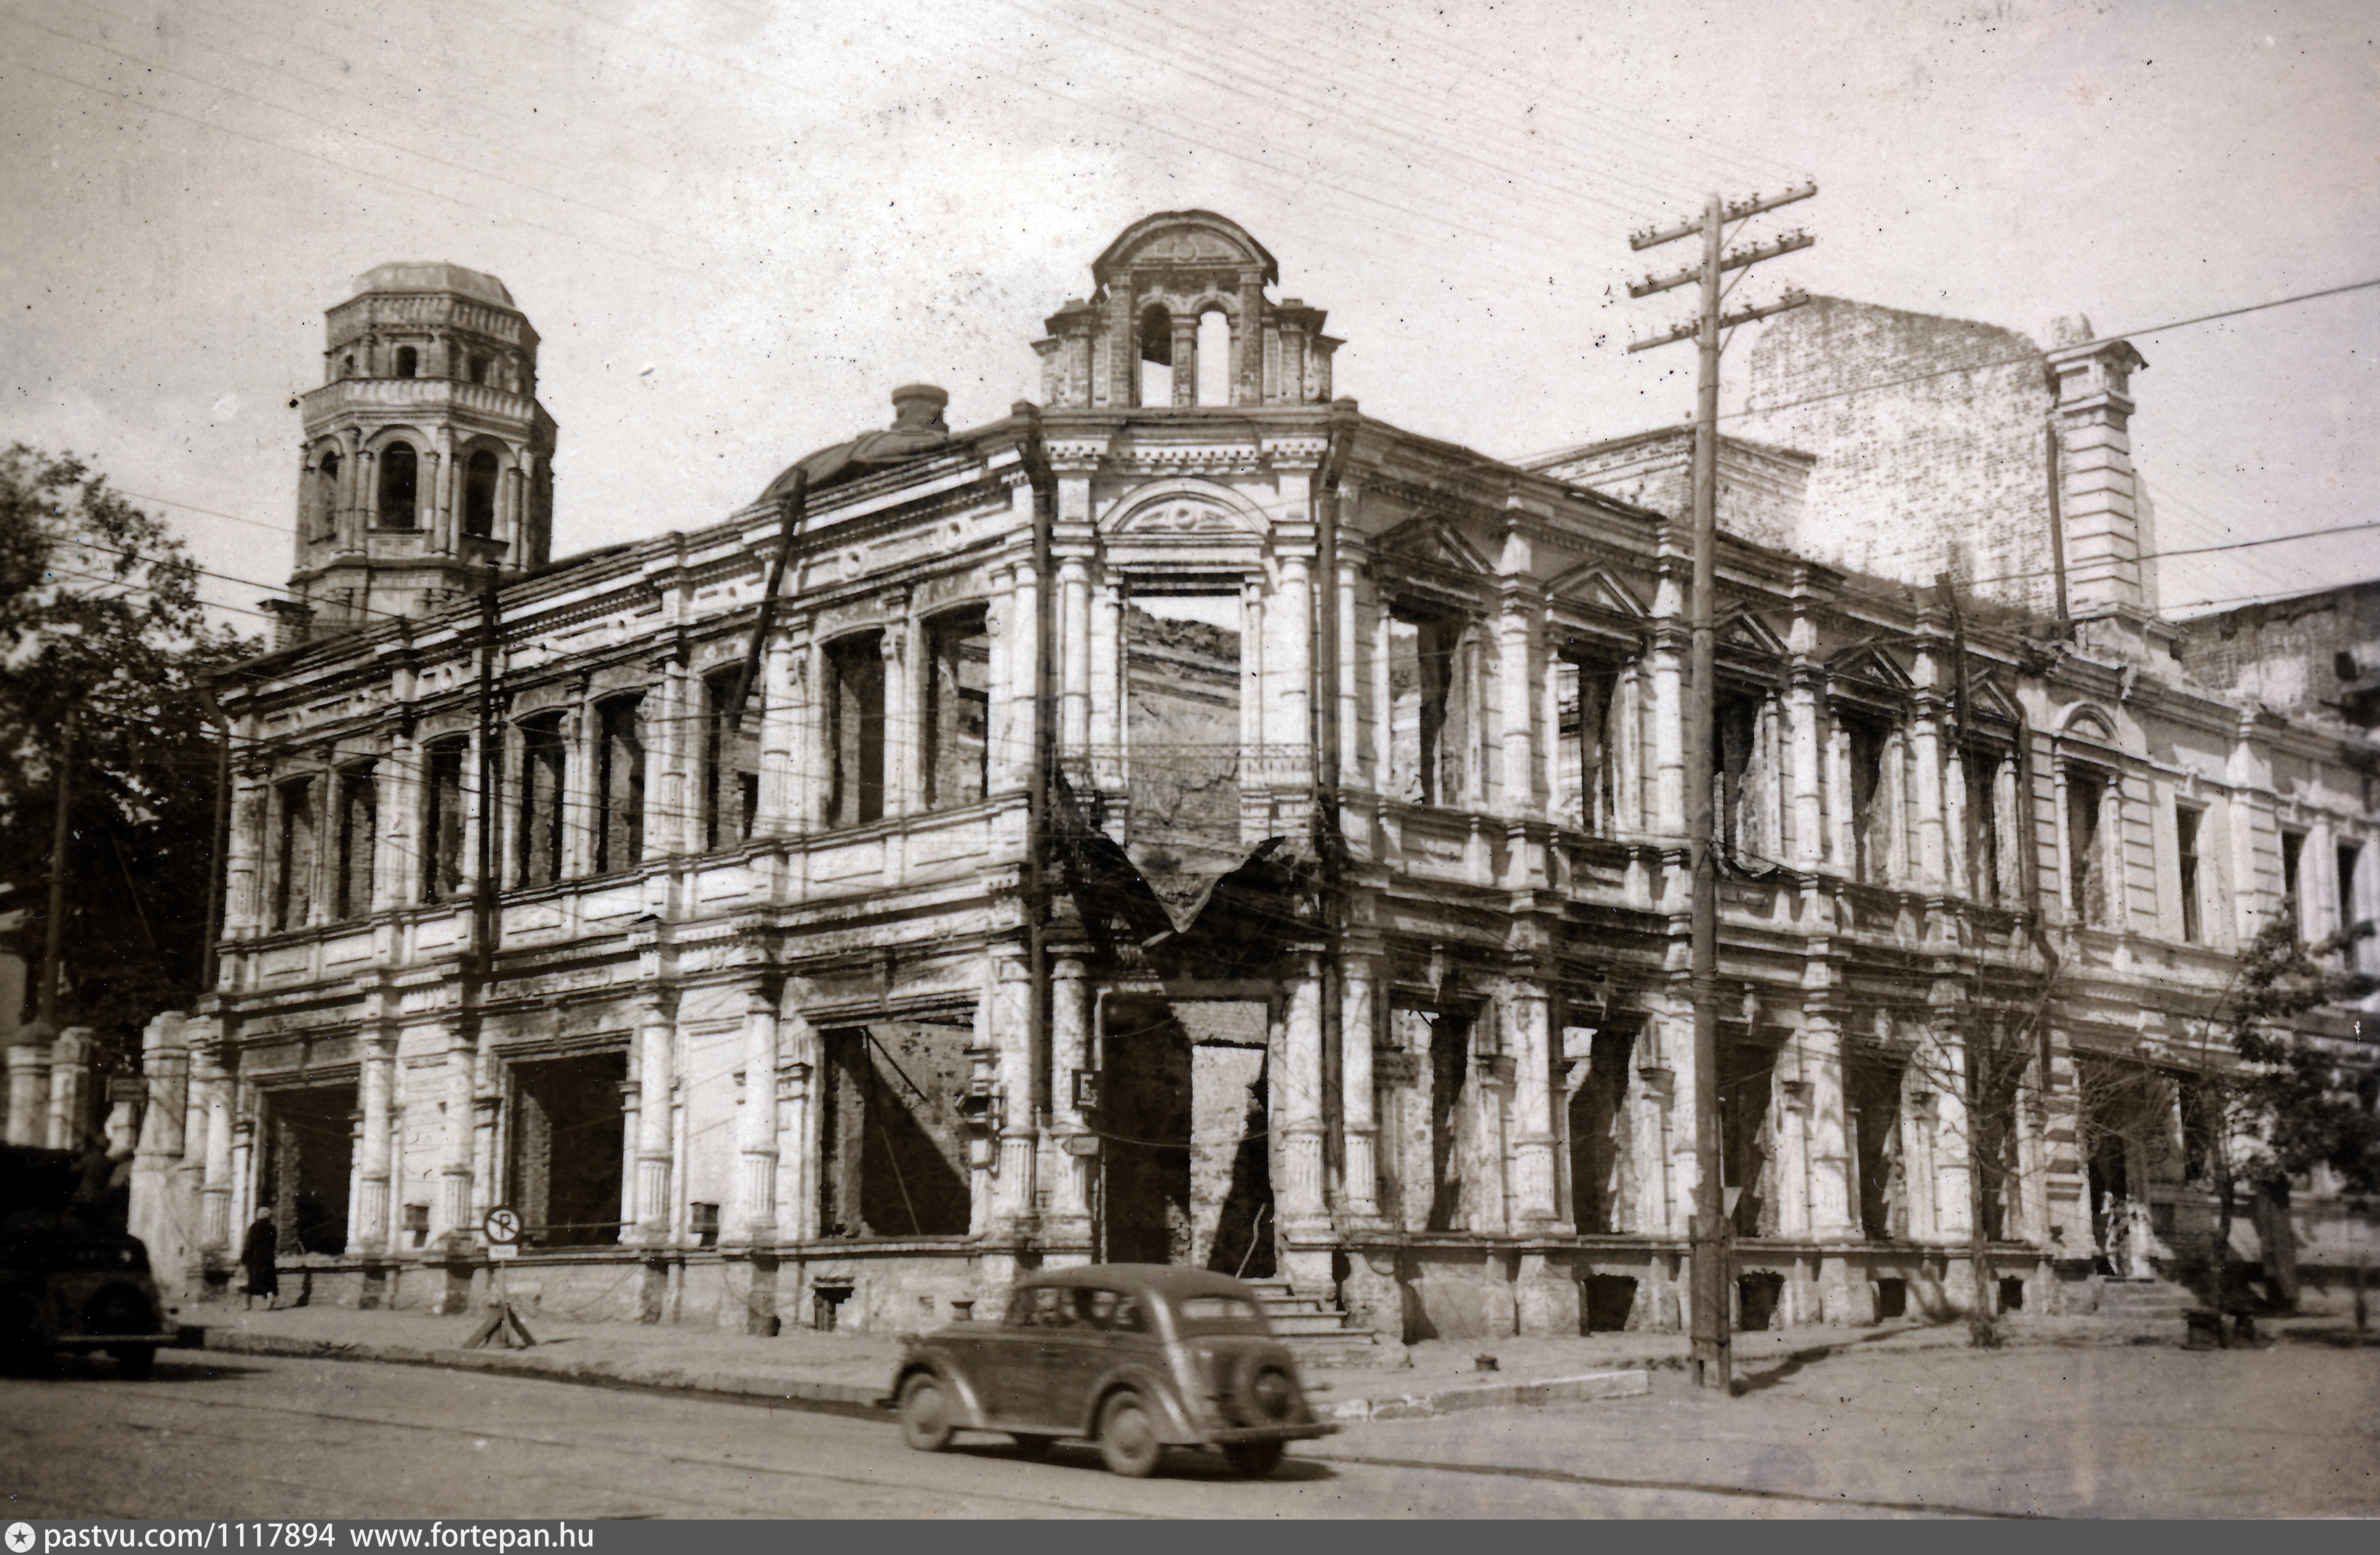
(258, 1254)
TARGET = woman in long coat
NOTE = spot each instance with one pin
(258, 1254)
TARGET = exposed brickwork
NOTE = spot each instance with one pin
(2287, 654)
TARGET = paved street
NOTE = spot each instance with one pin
(2101, 1431)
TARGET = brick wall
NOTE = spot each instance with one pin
(2288, 653)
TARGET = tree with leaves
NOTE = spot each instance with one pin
(102, 633)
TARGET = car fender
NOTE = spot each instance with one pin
(962, 1390)
(1157, 1389)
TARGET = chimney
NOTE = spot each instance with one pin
(2098, 496)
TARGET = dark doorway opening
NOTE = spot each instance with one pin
(1745, 1073)
(1598, 1144)
(1145, 1207)
(1873, 1093)
(1891, 1299)
(891, 1136)
(1609, 1299)
(567, 1135)
(308, 1159)
(1757, 1297)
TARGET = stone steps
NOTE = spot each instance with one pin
(1312, 1329)
(2145, 1300)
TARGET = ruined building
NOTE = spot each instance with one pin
(1354, 950)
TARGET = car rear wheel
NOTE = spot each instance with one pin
(1254, 1459)
(1128, 1440)
(134, 1363)
(926, 1414)
(1265, 1394)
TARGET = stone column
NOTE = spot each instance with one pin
(159, 1219)
(1297, 1103)
(1515, 644)
(453, 1220)
(1248, 341)
(1668, 733)
(70, 1098)
(779, 777)
(367, 1233)
(28, 1094)
(398, 873)
(797, 1197)
(1357, 1033)
(1931, 876)
(1011, 1030)
(1185, 360)
(1802, 716)
(1074, 657)
(1070, 1036)
(756, 1120)
(1954, 1142)
(1350, 642)
(656, 1073)
(1021, 638)
(1528, 1039)
(1829, 1148)
(209, 1082)
(1293, 728)
(243, 861)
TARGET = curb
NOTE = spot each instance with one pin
(1498, 1395)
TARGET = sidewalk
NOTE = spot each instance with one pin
(847, 1373)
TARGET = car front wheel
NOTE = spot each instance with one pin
(926, 1414)
(1254, 1459)
(1128, 1442)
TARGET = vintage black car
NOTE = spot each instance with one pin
(1135, 1357)
(71, 1276)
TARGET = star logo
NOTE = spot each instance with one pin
(20, 1538)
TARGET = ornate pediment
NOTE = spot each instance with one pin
(1184, 509)
(1746, 634)
(1434, 542)
(1595, 588)
(1872, 667)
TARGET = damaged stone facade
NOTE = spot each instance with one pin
(1355, 955)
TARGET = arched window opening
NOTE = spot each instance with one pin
(396, 486)
(480, 495)
(326, 497)
(1155, 357)
(1214, 358)
(407, 361)
(478, 370)
(348, 368)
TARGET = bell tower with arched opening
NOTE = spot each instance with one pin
(427, 454)
(1162, 287)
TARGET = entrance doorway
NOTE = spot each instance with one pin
(1187, 1160)
(309, 1146)
(568, 1135)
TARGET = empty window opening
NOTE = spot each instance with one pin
(2085, 795)
(620, 784)
(1185, 1174)
(2186, 827)
(1759, 1302)
(856, 730)
(1737, 774)
(1214, 358)
(1982, 824)
(2292, 856)
(1182, 738)
(958, 707)
(1428, 706)
(731, 762)
(1451, 1144)
(309, 1157)
(480, 478)
(1747, 1138)
(567, 1134)
(348, 366)
(545, 759)
(408, 362)
(293, 876)
(478, 370)
(1155, 357)
(322, 495)
(1610, 1302)
(397, 500)
(1891, 1298)
(1586, 698)
(892, 1142)
(2011, 1294)
(2350, 855)
(1870, 801)
(1599, 1137)
(442, 830)
(358, 838)
(2343, 665)
(1872, 1096)
(2201, 1117)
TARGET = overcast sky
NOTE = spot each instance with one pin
(737, 225)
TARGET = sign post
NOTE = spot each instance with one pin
(501, 1326)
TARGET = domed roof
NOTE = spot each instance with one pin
(434, 276)
(918, 429)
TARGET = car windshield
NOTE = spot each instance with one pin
(1220, 1314)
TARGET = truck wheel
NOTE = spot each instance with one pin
(926, 1414)
(1253, 1459)
(135, 1362)
(1129, 1443)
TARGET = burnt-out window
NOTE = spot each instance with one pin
(958, 707)
(1870, 800)
(408, 362)
(1872, 1086)
(566, 1138)
(398, 481)
(1747, 1134)
(2087, 794)
(2350, 855)
(2186, 822)
(1599, 1137)
(856, 730)
(479, 477)
(442, 830)
(1983, 822)
(1428, 710)
(478, 370)
(359, 837)
(2293, 861)
(1588, 710)
(1738, 773)
(306, 1152)
(891, 1140)
(619, 784)
(293, 874)
(323, 498)
(545, 761)
(730, 760)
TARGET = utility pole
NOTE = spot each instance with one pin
(45, 1006)
(1708, 1238)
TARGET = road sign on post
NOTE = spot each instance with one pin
(501, 1326)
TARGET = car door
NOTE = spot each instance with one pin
(1074, 1354)
(1008, 1356)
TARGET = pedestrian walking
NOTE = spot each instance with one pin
(260, 1253)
